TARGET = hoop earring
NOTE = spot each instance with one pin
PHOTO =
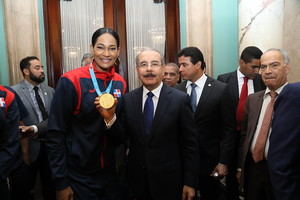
(117, 62)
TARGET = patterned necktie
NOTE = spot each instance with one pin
(259, 148)
(193, 97)
(241, 104)
(40, 103)
(148, 113)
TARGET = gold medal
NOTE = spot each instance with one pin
(106, 100)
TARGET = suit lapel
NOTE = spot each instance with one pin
(209, 84)
(26, 93)
(45, 97)
(161, 109)
(162, 106)
(137, 104)
(234, 85)
(257, 104)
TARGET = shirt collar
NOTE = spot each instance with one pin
(199, 82)
(277, 91)
(240, 75)
(155, 92)
(30, 86)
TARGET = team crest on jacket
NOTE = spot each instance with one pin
(2, 102)
(117, 93)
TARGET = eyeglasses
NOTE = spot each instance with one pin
(272, 66)
(152, 65)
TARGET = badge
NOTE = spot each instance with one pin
(2, 102)
(106, 100)
(117, 93)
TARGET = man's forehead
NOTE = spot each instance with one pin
(184, 58)
(170, 67)
(151, 56)
(271, 55)
(35, 62)
(150, 53)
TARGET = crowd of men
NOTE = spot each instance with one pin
(185, 134)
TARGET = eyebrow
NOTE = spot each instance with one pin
(155, 61)
(98, 44)
(275, 62)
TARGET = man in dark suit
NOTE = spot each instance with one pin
(216, 148)
(284, 151)
(163, 143)
(240, 83)
(254, 142)
(249, 64)
(37, 97)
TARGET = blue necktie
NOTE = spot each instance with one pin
(148, 112)
(193, 97)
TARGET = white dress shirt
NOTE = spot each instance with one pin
(156, 93)
(266, 101)
(250, 84)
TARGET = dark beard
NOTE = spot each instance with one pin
(37, 79)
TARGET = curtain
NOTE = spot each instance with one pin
(145, 26)
(79, 20)
(22, 34)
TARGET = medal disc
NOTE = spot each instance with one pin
(106, 100)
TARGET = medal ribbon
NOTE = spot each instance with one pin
(95, 83)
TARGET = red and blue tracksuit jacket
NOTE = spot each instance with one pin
(9, 131)
(77, 141)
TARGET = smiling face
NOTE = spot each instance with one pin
(105, 51)
(273, 69)
(149, 69)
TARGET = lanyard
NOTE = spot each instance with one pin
(95, 83)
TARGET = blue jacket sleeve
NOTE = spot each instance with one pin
(10, 145)
(63, 105)
(283, 157)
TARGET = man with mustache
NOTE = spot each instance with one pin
(37, 97)
(254, 144)
(163, 145)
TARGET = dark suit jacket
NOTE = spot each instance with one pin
(167, 159)
(252, 113)
(231, 99)
(216, 147)
(233, 88)
(32, 117)
(284, 150)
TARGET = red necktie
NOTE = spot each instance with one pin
(259, 148)
(241, 105)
